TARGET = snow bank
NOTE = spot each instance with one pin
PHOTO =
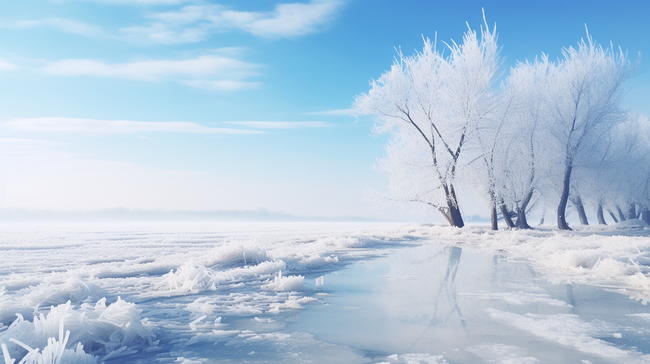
(54, 289)
(416, 358)
(285, 284)
(631, 223)
(610, 257)
(341, 242)
(190, 279)
(247, 272)
(310, 263)
(187, 279)
(59, 288)
(54, 353)
(106, 331)
(238, 253)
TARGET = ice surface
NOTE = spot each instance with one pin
(322, 293)
(473, 308)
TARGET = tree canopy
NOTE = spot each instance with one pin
(550, 133)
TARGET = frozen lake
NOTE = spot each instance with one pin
(443, 302)
(322, 293)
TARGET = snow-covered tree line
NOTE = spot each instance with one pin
(549, 135)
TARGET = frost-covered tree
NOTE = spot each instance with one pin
(520, 176)
(430, 104)
(626, 171)
(582, 103)
(642, 165)
(490, 165)
(486, 157)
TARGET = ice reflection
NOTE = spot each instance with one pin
(473, 308)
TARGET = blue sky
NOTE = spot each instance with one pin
(237, 105)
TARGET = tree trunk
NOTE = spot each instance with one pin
(621, 215)
(645, 215)
(452, 212)
(600, 215)
(493, 217)
(541, 222)
(612, 215)
(522, 223)
(506, 215)
(631, 211)
(561, 208)
(458, 218)
(581, 210)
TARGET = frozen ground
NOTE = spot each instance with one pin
(323, 293)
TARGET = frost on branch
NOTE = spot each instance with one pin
(430, 103)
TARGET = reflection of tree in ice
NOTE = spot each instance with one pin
(428, 303)
(440, 294)
(448, 288)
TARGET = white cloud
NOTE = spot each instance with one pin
(334, 112)
(98, 127)
(143, 2)
(290, 20)
(194, 23)
(135, 2)
(65, 25)
(209, 71)
(74, 27)
(7, 66)
(27, 143)
(224, 85)
(163, 34)
(281, 124)
(151, 70)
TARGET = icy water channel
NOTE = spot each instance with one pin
(437, 304)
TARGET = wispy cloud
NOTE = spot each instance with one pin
(281, 124)
(102, 127)
(223, 85)
(194, 23)
(65, 25)
(288, 20)
(7, 66)
(334, 112)
(20, 142)
(210, 71)
(142, 2)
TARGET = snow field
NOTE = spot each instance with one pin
(118, 292)
(190, 293)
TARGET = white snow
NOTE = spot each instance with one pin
(184, 292)
(285, 284)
